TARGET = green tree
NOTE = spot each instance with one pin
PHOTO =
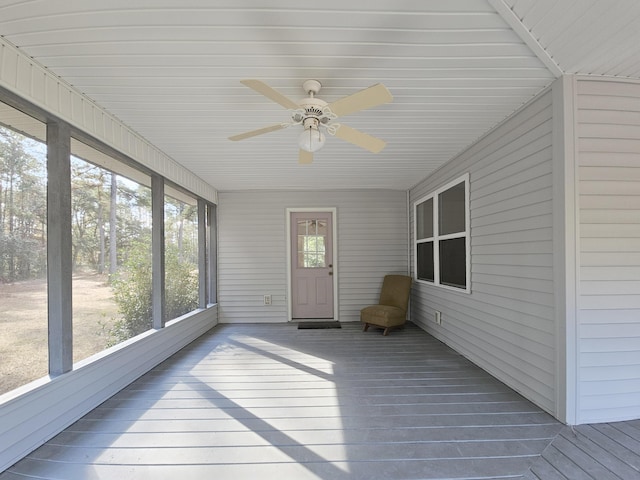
(22, 207)
(181, 284)
(90, 194)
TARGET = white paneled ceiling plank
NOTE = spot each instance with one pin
(607, 59)
(525, 34)
(298, 74)
(589, 37)
(551, 27)
(571, 49)
(523, 6)
(538, 11)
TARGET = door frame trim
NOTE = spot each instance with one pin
(334, 213)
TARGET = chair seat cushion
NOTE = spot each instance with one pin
(383, 315)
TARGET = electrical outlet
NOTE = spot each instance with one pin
(267, 299)
(438, 317)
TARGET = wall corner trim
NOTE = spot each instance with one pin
(565, 247)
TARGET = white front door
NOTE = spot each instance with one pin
(312, 265)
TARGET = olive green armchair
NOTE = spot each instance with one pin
(391, 311)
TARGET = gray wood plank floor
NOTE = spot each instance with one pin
(606, 451)
(272, 401)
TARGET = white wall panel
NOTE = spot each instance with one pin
(372, 241)
(608, 131)
(507, 324)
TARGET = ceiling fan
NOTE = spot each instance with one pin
(316, 115)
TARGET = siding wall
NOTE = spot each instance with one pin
(507, 323)
(372, 241)
(608, 131)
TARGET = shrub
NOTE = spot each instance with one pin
(132, 291)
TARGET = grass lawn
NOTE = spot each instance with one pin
(23, 326)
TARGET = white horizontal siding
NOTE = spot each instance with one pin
(372, 241)
(507, 324)
(22, 76)
(608, 139)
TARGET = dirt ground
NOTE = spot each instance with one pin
(23, 326)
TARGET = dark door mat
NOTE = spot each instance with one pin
(315, 325)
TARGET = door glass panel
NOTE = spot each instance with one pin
(312, 235)
(322, 228)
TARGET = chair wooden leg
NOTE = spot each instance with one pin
(366, 327)
(386, 332)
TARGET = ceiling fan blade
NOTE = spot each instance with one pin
(360, 139)
(270, 93)
(305, 157)
(260, 131)
(367, 98)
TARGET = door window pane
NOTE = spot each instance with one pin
(111, 251)
(23, 249)
(312, 236)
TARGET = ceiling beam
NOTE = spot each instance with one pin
(509, 16)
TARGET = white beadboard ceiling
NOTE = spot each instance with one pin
(171, 70)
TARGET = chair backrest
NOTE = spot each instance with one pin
(395, 291)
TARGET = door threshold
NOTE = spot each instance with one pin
(307, 325)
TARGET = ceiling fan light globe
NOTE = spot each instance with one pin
(311, 140)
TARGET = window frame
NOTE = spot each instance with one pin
(436, 238)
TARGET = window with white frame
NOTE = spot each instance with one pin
(441, 220)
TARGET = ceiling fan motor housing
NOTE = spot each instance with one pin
(316, 108)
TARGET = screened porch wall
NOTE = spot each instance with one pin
(371, 242)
